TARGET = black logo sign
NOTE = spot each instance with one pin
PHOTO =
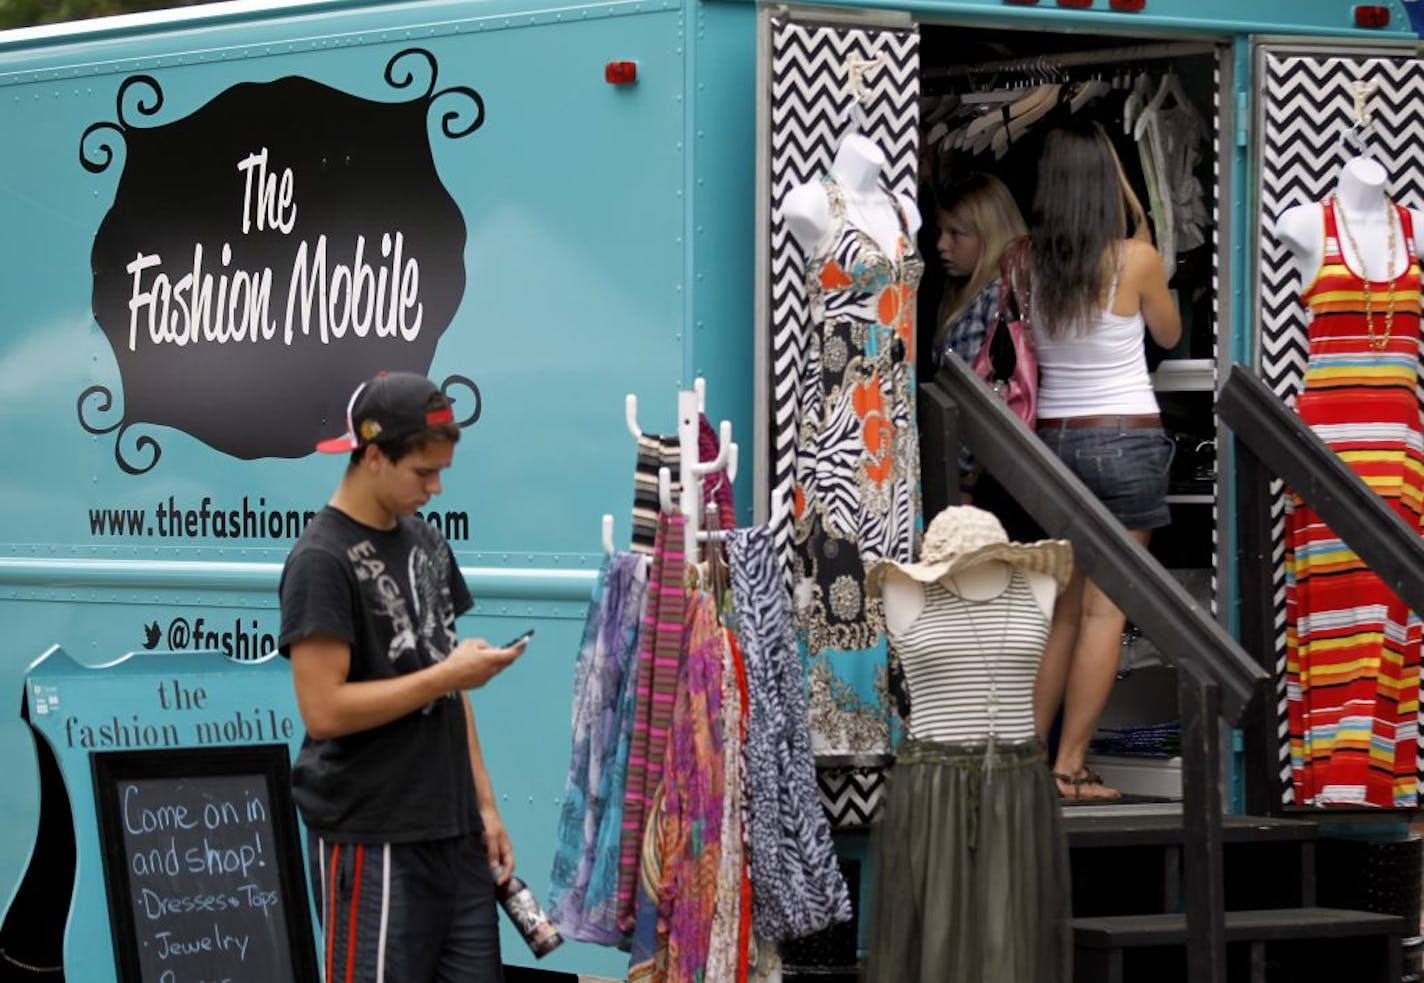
(269, 251)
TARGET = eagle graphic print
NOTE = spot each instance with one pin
(419, 637)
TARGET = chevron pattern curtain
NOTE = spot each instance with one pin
(813, 107)
(1308, 102)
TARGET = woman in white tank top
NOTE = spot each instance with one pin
(1093, 291)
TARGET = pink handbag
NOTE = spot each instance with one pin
(1006, 361)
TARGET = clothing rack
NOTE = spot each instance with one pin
(691, 405)
(1070, 59)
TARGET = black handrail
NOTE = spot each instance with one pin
(1293, 452)
(1183, 632)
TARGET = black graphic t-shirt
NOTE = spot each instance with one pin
(393, 595)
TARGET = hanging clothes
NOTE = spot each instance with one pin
(655, 451)
(1184, 137)
(856, 493)
(682, 852)
(1352, 647)
(797, 887)
(731, 935)
(1110, 112)
(716, 489)
(601, 906)
(659, 659)
(1159, 199)
(972, 881)
(600, 681)
(1171, 137)
(1138, 113)
(694, 784)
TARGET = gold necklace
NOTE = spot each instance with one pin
(991, 702)
(1376, 343)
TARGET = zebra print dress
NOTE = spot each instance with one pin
(856, 491)
(797, 887)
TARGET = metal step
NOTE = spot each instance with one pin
(1131, 931)
(1119, 829)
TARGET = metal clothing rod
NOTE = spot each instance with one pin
(1068, 59)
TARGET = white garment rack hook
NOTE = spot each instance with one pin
(665, 490)
(630, 415)
(724, 444)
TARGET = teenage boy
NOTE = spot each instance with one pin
(405, 838)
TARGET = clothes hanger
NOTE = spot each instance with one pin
(1041, 97)
(1093, 88)
(1016, 127)
(974, 136)
(1352, 139)
(991, 96)
(937, 133)
(1169, 86)
(943, 106)
(1136, 99)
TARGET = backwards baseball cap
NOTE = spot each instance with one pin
(390, 406)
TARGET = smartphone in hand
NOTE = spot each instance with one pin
(521, 639)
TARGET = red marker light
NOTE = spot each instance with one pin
(1076, 4)
(1371, 15)
(1127, 6)
(620, 72)
(1022, 3)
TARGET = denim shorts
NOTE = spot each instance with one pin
(1126, 468)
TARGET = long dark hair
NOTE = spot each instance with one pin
(1079, 221)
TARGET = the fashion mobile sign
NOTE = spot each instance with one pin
(267, 252)
(373, 295)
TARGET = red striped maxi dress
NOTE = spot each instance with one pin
(1352, 648)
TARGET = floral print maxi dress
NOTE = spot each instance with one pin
(856, 494)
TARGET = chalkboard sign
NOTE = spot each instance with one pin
(202, 865)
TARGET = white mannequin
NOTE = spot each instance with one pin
(1362, 199)
(856, 169)
(904, 597)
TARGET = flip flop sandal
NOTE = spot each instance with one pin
(1076, 783)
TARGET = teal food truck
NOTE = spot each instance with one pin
(218, 219)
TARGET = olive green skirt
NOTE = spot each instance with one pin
(972, 882)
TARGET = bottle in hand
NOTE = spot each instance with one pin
(539, 932)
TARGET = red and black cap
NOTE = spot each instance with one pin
(390, 406)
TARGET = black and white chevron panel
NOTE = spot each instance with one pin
(1308, 102)
(813, 106)
(852, 795)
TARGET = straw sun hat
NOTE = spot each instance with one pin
(963, 536)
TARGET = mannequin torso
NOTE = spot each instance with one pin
(856, 169)
(904, 598)
(1362, 207)
(1346, 638)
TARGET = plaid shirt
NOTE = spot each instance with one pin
(966, 336)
